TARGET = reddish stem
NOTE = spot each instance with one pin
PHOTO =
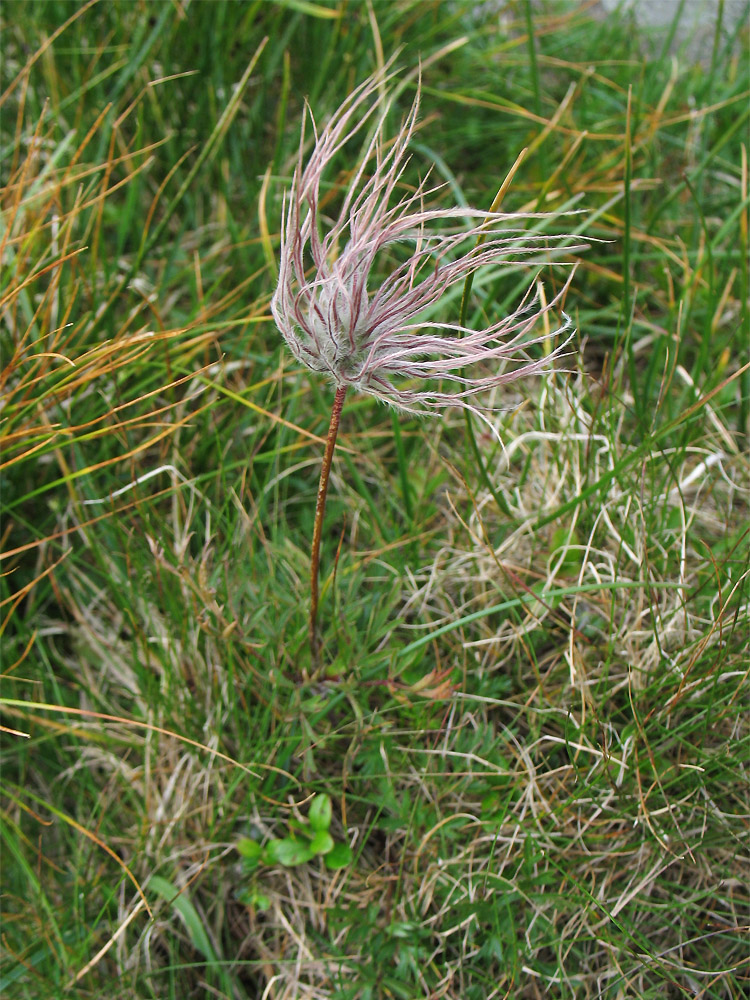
(320, 507)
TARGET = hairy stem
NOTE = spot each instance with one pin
(320, 507)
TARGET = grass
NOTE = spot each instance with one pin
(532, 723)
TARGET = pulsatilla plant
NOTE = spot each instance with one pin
(370, 333)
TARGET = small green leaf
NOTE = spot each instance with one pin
(321, 843)
(565, 547)
(288, 852)
(261, 901)
(340, 856)
(250, 849)
(402, 929)
(320, 812)
(250, 896)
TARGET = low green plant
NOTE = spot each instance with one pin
(307, 839)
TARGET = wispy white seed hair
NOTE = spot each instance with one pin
(338, 317)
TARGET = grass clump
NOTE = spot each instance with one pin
(528, 740)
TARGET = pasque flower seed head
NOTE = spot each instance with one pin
(340, 316)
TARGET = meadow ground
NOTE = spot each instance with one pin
(522, 768)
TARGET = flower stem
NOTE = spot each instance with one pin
(320, 507)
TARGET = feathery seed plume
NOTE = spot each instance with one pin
(339, 319)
